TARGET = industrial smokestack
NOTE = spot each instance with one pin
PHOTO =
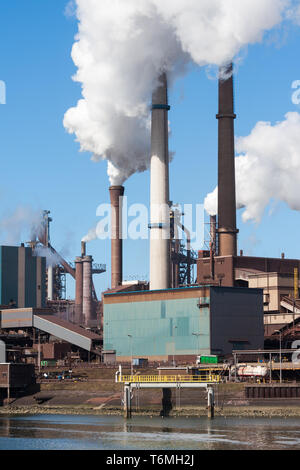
(79, 289)
(226, 166)
(116, 194)
(159, 190)
(83, 249)
(87, 303)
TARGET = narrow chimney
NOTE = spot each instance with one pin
(79, 289)
(213, 234)
(116, 194)
(83, 249)
(87, 304)
(226, 166)
(159, 190)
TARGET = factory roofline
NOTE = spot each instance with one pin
(178, 289)
(159, 290)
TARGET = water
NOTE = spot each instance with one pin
(55, 432)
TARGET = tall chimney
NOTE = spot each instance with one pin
(159, 190)
(87, 304)
(226, 166)
(79, 289)
(116, 194)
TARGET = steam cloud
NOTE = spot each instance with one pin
(268, 168)
(91, 235)
(23, 222)
(52, 259)
(123, 45)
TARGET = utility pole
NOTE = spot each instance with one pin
(280, 339)
(174, 328)
(131, 367)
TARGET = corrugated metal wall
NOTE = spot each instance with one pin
(224, 318)
(237, 320)
(158, 328)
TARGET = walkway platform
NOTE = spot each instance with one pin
(130, 382)
(168, 381)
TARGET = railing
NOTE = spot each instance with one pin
(169, 378)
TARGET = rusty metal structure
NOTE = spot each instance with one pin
(182, 257)
(116, 195)
(87, 293)
(85, 308)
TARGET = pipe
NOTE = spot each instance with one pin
(226, 165)
(116, 195)
(213, 233)
(159, 190)
(50, 283)
(87, 303)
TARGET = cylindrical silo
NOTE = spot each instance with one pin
(87, 303)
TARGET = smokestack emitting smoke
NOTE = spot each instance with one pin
(116, 195)
(112, 119)
(227, 231)
(159, 190)
(83, 249)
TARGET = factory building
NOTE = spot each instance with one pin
(169, 323)
(276, 276)
(22, 277)
(182, 322)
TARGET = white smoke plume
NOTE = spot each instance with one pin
(52, 259)
(21, 223)
(267, 168)
(121, 48)
(90, 236)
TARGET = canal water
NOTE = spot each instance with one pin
(55, 432)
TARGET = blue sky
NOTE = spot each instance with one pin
(42, 167)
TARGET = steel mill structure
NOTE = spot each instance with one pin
(233, 302)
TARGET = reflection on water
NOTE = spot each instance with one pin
(113, 433)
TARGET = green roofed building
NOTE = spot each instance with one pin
(182, 322)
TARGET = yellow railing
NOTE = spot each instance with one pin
(169, 378)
